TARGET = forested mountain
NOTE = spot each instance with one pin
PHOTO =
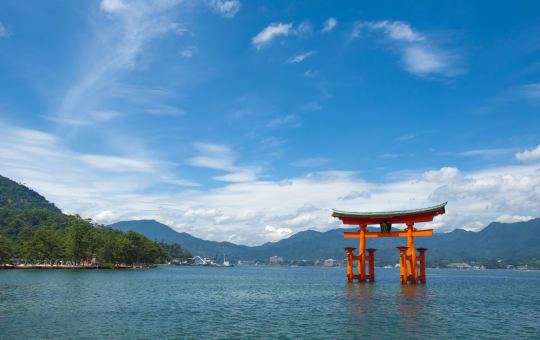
(34, 230)
(510, 241)
(18, 196)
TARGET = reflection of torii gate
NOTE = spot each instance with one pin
(407, 255)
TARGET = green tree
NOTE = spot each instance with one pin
(6, 249)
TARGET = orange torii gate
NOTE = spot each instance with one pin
(407, 255)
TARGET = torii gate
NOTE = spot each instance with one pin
(407, 255)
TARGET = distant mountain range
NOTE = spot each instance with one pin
(519, 240)
(496, 241)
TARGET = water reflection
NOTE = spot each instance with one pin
(412, 300)
(412, 309)
(360, 299)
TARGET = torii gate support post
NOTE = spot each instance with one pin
(412, 267)
(362, 253)
(422, 257)
(349, 263)
(371, 258)
(402, 265)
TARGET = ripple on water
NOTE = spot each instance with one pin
(266, 302)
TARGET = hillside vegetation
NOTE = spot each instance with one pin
(33, 230)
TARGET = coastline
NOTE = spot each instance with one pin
(73, 267)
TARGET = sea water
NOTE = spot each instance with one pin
(248, 302)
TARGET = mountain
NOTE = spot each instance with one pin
(519, 240)
(17, 196)
(160, 232)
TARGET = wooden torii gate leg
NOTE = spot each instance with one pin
(362, 254)
(412, 267)
(371, 258)
(349, 263)
(402, 265)
(422, 257)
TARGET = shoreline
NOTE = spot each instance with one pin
(72, 267)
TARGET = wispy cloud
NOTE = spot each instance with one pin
(289, 120)
(531, 90)
(406, 137)
(329, 24)
(354, 195)
(165, 110)
(313, 106)
(389, 155)
(94, 186)
(396, 30)
(122, 31)
(311, 162)
(4, 32)
(273, 142)
(485, 152)
(270, 32)
(112, 5)
(301, 57)
(529, 155)
(275, 30)
(227, 8)
(90, 119)
(310, 73)
(220, 157)
(420, 56)
(187, 52)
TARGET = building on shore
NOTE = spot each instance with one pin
(330, 263)
(275, 260)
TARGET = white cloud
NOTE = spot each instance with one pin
(304, 28)
(220, 157)
(165, 110)
(531, 90)
(246, 208)
(420, 56)
(112, 5)
(396, 30)
(121, 33)
(227, 8)
(422, 61)
(311, 162)
(354, 195)
(4, 32)
(273, 142)
(282, 120)
(513, 219)
(529, 155)
(115, 164)
(329, 24)
(90, 119)
(277, 233)
(406, 137)
(310, 73)
(187, 53)
(485, 152)
(270, 32)
(301, 57)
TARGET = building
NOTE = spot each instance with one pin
(276, 260)
(330, 263)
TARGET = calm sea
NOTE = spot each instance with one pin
(266, 302)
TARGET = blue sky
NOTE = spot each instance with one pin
(248, 121)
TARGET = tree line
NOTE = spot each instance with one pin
(43, 236)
